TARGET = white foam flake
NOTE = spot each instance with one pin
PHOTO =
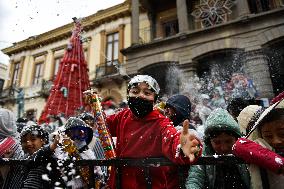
(278, 160)
(215, 156)
(45, 177)
(178, 150)
(48, 167)
(242, 141)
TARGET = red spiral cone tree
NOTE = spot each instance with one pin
(66, 94)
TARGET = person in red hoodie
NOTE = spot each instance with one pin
(143, 132)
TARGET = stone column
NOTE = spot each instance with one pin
(242, 8)
(182, 16)
(152, 19)
(256, 66)
(190, 70)
(135, 22)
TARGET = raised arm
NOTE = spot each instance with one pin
(253, 153)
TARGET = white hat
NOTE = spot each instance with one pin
(153, 84)
(248, 117)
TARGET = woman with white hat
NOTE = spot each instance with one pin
(267, 130)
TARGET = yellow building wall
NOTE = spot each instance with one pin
(94, 53)
(127, 34)
(47, 53)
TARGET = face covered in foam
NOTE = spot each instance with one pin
(143, 91)
(141, 99)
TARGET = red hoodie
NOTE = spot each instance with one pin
(151, 136)
(254, 153)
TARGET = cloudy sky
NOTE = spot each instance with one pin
(20, 19)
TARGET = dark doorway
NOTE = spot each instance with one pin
(167, 76)
(275, 54)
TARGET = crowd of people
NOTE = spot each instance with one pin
(146, 126)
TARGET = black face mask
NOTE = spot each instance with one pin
(140, 107)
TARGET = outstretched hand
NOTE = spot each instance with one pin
(189, 142)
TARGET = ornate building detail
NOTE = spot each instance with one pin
(212, 12)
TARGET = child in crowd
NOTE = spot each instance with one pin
(266, 167)
(177, 109)
(144, 132)
(221, 132)
(42, 171)
(80, 135)
(95, 144)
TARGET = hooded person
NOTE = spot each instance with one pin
(143, 132)
(266, 167)
(221, 132)
(178, 108)
(9, 139)
(81, 134)
(95, 145)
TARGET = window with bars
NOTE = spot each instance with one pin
(16, 74)
(38, 73)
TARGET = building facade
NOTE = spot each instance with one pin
(233, 47)
(3, 75)
(203, 45)
(34, 62)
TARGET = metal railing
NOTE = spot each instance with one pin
(146, 163)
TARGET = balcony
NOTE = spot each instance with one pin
(109, 72)
(8, 95)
